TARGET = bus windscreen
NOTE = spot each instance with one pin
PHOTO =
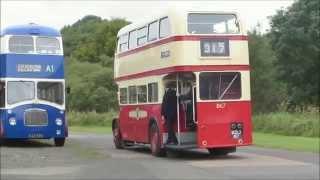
(19, 91)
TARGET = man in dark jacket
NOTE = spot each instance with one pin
(169, 113)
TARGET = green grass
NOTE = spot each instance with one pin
(290, 124)
(91, 129)
(90, 118)
(295, 143)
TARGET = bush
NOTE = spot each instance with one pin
(291, 124)
(90, 118)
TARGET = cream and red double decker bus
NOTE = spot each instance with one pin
(204, 56)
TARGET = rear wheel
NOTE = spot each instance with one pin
(155, 142)
(221, 151)
(59, 142)
(117, 139)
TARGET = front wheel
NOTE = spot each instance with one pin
(59, 142)
(154, 134)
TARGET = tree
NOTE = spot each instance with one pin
(89, 48)
(295, 39)
(267, 92)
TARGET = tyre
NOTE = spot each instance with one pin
(59, 142)
(117, 139)
(221, 151)
(155, 141)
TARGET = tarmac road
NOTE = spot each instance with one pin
(88, 156)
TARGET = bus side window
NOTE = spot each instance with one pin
(123, 96)
(153, 92)
(132, 95)
(142, 94)
(132, 39)
(123, 40)
(2, 94)
(164, 27)
(142, 36)
(153, 31)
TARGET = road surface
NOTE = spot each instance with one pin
(89, 156)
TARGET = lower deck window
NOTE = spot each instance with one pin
(142, 94)
(123, 96)
(132, 94)
(220, 85)
(153, 92)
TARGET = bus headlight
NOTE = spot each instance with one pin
(12, 121)
(59, 122)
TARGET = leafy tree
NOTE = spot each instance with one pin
(267, 92)
(295, 39)
(89, 48)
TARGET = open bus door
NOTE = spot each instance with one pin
(186, 113)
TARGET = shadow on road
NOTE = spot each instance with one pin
(25, 144)
(183, 155)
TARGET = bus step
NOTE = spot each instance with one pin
(181, 146)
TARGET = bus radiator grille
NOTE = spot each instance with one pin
(36, 118)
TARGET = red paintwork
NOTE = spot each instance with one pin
(214, 123)
(189, 68)
(181, 38)
(138, 130)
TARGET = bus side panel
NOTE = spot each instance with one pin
(2, 118)
(127, 123)
(214, 123)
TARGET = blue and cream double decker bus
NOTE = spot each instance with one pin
(32, 85)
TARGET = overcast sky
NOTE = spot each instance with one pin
(59, 13)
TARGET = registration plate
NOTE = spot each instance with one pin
(35, 135)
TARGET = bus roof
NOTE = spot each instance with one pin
(30, 29)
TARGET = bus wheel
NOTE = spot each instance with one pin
(117, 140)
(221, 151)
(154, 134)
(59, 142)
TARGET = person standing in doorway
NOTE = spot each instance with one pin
(169, 113)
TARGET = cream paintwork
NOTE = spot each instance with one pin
(181, 53)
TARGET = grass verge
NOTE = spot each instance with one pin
(295, 143)
(91, 129)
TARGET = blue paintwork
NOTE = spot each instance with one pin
(20, 131)
(9, 66)
(30, 29)
(51, 67)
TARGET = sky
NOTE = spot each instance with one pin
(58, 13)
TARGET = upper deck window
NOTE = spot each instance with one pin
(123, 43)
(132, 39)
(212, 24)
(153, 31)
(48, 45)
(142, 36)
(21, 44)
(164, 27)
